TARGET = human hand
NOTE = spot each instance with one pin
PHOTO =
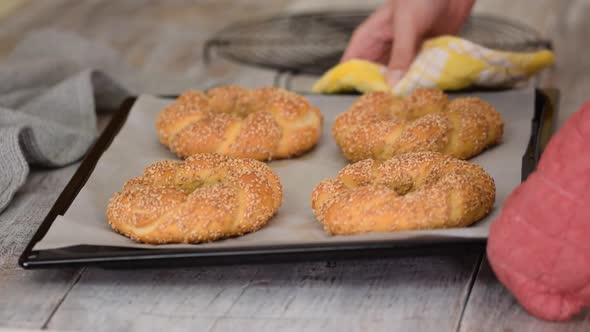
(392, 34)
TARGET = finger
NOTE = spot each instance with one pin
(385, 55)
(358, 45)
(372, 39)
(403, 51)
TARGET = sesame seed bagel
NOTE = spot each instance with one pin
(262, 124)
(204, 198)
(419, 190)
(380, 125)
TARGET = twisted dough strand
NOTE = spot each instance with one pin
(379, 125)
(420, 190)
(263, 124)
(205, 198)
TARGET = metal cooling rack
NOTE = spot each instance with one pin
(311, 43)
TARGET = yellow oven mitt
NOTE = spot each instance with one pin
(447, 63)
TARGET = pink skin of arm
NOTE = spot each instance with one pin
(392, 34)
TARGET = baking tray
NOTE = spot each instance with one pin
(543, 119)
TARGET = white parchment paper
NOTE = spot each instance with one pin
(136, 146)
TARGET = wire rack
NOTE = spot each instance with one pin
(313, 42)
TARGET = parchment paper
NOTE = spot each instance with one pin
(137, 146)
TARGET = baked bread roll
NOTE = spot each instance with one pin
(380, 125)
(207, 197)
(262, 124)
(420, 190)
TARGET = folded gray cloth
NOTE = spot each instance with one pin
(51, 85)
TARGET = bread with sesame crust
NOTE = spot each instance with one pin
(204, 198)
(379, 125)
(262, 123)
(412, 191)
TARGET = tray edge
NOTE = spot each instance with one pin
(542, 127)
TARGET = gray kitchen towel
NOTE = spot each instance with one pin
(51, 85)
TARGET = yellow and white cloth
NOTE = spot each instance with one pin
(447, 63)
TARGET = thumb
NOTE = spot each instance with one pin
(403, 51)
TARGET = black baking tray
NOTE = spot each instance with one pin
(543, 124)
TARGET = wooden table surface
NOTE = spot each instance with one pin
(432, 293)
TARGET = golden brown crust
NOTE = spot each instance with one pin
(380, 125)
(207, 197)
(263, 123)
(420, 190)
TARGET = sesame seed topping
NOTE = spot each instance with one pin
(204, 198)
(264, 124)
(379, 125)
(418, 190)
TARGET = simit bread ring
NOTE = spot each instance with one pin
(420, 190)
(380, 125)
(262, 124)
(205, 198)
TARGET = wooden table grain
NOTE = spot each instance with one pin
(431, 293)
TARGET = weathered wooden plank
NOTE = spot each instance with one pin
(491, 307)
(31, 15)
(23, 330)
(163, 41)
(28, 298)
(405, 294)
(7, 7)
(161, 36)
